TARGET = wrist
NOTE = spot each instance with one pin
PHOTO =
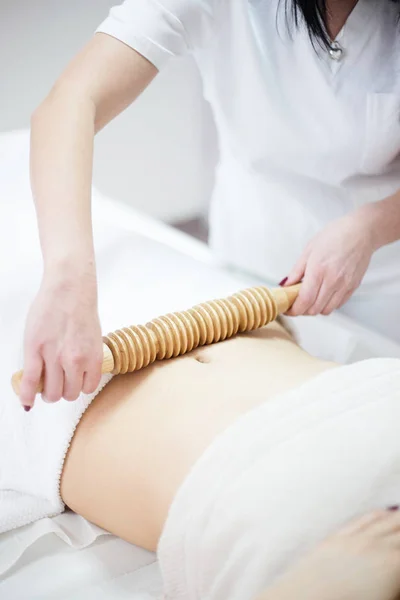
(67, 251)
(367, 218)
(381, 220)
(70, 271)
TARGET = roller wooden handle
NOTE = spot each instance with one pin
(134, 348)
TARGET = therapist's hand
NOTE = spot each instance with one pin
(332, 266)
(63, 339)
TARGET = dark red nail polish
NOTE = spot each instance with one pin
(283, 281)
(27, 408)
(393, 508)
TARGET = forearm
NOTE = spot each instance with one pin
(62, 133)
(99, 83)
(382, 220)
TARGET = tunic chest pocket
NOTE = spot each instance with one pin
(382, 133)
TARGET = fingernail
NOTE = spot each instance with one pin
(393, 508)
(283, 281)
(26, 408)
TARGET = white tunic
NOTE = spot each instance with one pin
(304, 138)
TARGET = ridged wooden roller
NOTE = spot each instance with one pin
(136, 347)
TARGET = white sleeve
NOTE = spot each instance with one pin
(160, 29)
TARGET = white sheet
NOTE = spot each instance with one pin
(280, 479)
(49, 567)
(74, 560)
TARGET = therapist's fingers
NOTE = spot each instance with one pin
(33, 369)
(73, 381)
(53, 381)
(333, 304)
(337, 301)
(324, 298)
(307, 296)
(346, 298)
(92, 376)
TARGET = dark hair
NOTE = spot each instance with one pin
(314, 14)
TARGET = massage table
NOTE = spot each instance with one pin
(66, 557)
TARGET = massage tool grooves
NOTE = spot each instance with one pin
(134, 348)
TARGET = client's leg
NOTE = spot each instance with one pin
(361, 562)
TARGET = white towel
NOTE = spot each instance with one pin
(280, 479)
(33, 447)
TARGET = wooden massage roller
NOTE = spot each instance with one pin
(136, 347)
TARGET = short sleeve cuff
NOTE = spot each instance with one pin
(148, 48)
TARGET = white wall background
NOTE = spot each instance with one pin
(158, 155)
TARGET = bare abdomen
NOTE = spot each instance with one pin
(143, 433)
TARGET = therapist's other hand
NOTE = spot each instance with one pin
(332, 266)
(63, 339)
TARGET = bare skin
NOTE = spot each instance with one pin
(338, 11)
(143, 433)
(360, 562)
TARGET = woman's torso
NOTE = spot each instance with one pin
(304, 138)
(144, 432)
